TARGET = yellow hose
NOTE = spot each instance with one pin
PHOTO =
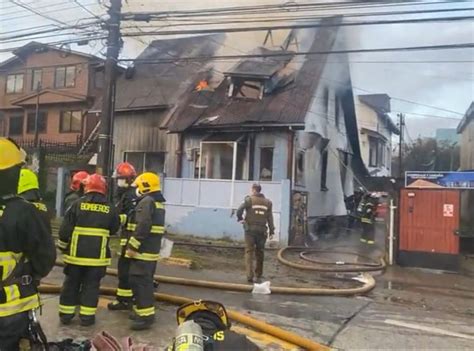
(256, 324)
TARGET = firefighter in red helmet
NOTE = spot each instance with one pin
(84, 240)
(126, 201)
(76, 188)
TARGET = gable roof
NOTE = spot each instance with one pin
(468, 117)
(33, 46)
(51, 95)
(287, 104)
(380, 103)
(150, 85)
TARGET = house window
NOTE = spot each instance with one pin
(377, 156)
(71, 122)
(36, 76)
(217, 160)
(42, 121)
(336, 111)
(266, 163)
(146, 161)
(16, 125)
(324, 169)
(300, 167)
(372, 152)
(246, 89)
(65, 77)
(15, 83)
(197, 162)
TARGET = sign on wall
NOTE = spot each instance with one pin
(439, 180)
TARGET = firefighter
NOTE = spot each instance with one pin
(368, 207)
(77, 189)
(28, 189)
(84, 239)
(27, 251)
(352, 203)
(258, 214)
(125, 174)
(143, 247)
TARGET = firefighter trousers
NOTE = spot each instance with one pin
(254, 246)
(12, 330)
(124, 291)
(141, 281)
(80, 288)
(368, 233)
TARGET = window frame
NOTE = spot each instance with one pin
(373, 160)
(45, 124)
(33, 85)
(15, 81)
(262, 148)
(62, 130)
(300, 174)
(14, 116)
(64, 81)
(144, 155)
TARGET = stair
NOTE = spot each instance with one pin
(85, 148)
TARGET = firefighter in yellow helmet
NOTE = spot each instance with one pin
(146, 224)
(27, 251)
(28, 189)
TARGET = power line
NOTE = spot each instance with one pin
(86, 9)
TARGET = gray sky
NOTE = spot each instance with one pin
(448, 86)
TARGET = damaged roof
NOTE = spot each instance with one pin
(285, 104)
(155, 85)
(380, 103)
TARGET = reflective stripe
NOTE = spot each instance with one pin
(12, 292)
(124, 292)
(261, 207)
(62, 244)
(144, 312)
(134, 243)
(19, 305)
(370, 242)
(363, 240)
(366, 220)
(40, 206)
(82, 261)
(8, 261)
(123, 242)
(87, 311)
(131, 227)
(67, 309)
(159, 205)
(123, 218)
(144, 256)
(157, 229)
(91, 231)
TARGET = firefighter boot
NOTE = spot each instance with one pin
(87, 321)
(142, 323)
(118, 305)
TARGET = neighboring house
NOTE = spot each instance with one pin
(146, 95)
(447, 135)
(466, 129)
(62, 84)
(274, 117)
(375, 132)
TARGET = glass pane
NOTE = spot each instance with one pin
(18, 83)
(217, 160)
(10, 84)
(60, 77)
(76, 121)
(155, 162)
(136, 159)
(70, 76)
(16, 125)
(36, 79)
(266, 163)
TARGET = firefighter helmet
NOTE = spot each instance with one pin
(147, 183)
(77, 180)
(10, 154)
(28, 181)
(124, 170)
(95, 183)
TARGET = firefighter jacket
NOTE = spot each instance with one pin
(33, 196)
(70, 198)
(258, 214)
(147, 226)
(85, 231)
(27, 254)
(368, 208)
(125, 207)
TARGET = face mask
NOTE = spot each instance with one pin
(122, 183)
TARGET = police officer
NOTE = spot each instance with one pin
(125, 175)
(143, 247)
(28, 189)
(258, 214)
(84, 239)
(368, 208)
(76, 189)
(27, 251)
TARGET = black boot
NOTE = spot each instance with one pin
(118, 305)
(87, 321)
(66, 319)
(142, 323)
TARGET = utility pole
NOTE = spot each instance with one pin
(108, 103)
(401, 123)
(36, 140)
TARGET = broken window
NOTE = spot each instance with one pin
(300, 166)
(248, 89)
(146, 161)
(324, 169)
(266, 163)
(219, 159)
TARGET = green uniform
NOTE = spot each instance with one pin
(258, 220)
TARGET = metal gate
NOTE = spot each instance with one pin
(428, 220)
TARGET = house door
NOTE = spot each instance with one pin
(428, 219)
